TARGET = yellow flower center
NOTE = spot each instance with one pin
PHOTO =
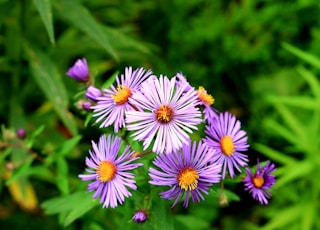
(227, 146)
(204, 96)
(188, 179)
(164, 114)
(122, 95)
(258, 181)
(106, 171)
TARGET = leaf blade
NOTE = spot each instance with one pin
(71, 9)
(44, 9)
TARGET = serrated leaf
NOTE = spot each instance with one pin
(44, 9)
(81, 18)
(47, 77)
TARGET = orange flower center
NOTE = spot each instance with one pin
(122, 95)
(227, 145)
(188, 179)
(164, 114)
(258, 181)
(106, 171)
(204, 96)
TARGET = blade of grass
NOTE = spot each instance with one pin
(82, 19)
(311, 59)
(44, 9)
(47, 77)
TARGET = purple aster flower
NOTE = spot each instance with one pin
(181, 79)
(168, 114)
(260, 182)
(188, 172)
(109, 172)
(111, 107)
(93, 93)
(225, 136)
(79, 71)
(204, 99)
(140, 216)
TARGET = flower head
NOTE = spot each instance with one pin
(188, 172)
(109, 171)
(112, 106)
(79, 71)
(225, 136)
(140, 216)
(93, 93)
(260, 182)
(167, 114)
(204, 99)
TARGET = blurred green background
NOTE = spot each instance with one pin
(259, 59)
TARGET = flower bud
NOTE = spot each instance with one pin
(79, 71)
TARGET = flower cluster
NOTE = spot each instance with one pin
(161, 113)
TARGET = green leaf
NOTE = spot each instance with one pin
(68, 145)
(304, 102)
(291, 120)
(31, 137)
(44, 9)
(295, 171)
(21, 171)
(283, 217)
(308, 216)
(192, 222)
(273, 154)
(86, 205)
(311, 59)
(81, 18)
(62, 177)
(71, 206)
(161, 215)
(281, 130)
(311, 79)
(47, 77)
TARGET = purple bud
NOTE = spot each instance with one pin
(140, 216)
(21, 133)
(79, 71)
(93, 93)
(86, 105)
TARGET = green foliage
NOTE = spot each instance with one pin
(297, 123)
